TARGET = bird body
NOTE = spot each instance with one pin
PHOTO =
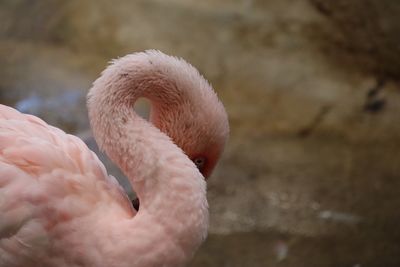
(51, 185)
(58, 206)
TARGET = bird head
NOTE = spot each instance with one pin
(186, 108)
(200, 131)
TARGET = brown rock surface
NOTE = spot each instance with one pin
(310, 176)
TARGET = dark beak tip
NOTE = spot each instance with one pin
(136, 203)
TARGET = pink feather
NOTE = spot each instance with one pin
(58, 206)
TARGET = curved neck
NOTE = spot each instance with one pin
(170, 188)
(139, 148)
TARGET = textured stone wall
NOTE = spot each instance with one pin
(366, 32)
(310, 176)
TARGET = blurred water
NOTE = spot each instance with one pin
(61, 109)
(60, 103)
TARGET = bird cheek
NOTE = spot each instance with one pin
(207, 170)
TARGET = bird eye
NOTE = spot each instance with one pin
(200, 162)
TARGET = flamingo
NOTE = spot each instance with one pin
(58, 205)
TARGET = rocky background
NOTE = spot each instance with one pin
(311, 174)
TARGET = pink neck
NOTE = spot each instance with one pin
(170, 188)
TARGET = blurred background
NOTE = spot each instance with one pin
(311, 173)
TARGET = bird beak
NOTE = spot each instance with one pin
(136, 203)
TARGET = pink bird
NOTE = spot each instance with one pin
(58, 206)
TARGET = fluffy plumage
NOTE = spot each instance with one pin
(58, 206)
